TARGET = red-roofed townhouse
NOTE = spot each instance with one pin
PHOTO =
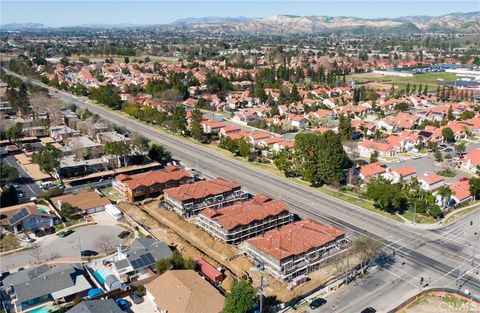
(210, 127)
(296, 249)
(431, 182)
(298, 121)
(371, 170)
(243, 220)
(471, 160)
(188, 200)
(254, 138)
(268, 142)
(150, 184)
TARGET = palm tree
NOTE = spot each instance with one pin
(445, 193)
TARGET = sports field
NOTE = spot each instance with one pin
(380, 82)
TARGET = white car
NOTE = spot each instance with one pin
(27, 239)
(400, 160)
(416, 157)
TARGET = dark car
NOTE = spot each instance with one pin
(124, 234)
(136, 298)
(65, 233)
(369, 310)
(85, 253)
(317, 303)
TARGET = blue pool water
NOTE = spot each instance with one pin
(100, 275)
(41, 310)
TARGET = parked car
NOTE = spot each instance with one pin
(122, 303)
(136, 298)
(27, 239)
(124, 234)
(401, 160)
(416, 157)
(65, 233)
(317, 303)
(33, 199)
(86, 253)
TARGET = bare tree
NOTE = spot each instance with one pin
(366, 249)
(36, 253)
(105, 244)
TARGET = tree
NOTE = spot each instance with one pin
(345, 127)
(240, 299)
(140, 291)
(35, 252)
(158, 153)
(474, 184)
(105, 243)
(244, 147)
(179, 119)
(374, 156)
(450, 116)
(366, 248)
(14, 132)
(438, 156)
(7, 173)
(460, 148)
(196, 129)
(47, 158)
(386, 196)
(448, 134)
(67, 211)
(163, 265)
(120, 149)
(320, 158)
(8, 197)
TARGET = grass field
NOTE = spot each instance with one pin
(121, 59)
(385, 81)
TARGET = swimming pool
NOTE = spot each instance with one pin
(41, 310)
(42, 209)
(100, 275)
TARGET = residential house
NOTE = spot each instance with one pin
(227, 130)
(62, 133)
(268, 142)
(404, 173)
(96, 306)
(37, 287)
(84, 145)
(188, 200)
(295, 249)
(255, 138)
(25, 217)
(283, 145)
(371, 170)
(431, 182)
(150, 184)
(87, 202)
(471, 161)
(184, 291)
(112, 136)
(366, 148)
(460, 192)
(243, 220)
(142, 255)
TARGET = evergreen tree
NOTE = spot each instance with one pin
(196, 129)
(241, 299)
(345, 127)
(179, 119)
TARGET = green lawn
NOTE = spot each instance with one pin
(432, 79)
(419, 218)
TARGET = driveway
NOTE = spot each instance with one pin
(83, 238)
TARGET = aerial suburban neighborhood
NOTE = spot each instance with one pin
(279, 163)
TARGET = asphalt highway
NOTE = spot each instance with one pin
(444, 257)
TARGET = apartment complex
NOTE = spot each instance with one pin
(188, 200)
(296, 248)
(243, 220)
(150, 184)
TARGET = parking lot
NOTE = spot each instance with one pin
(26, 186)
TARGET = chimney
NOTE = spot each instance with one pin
(120, 254)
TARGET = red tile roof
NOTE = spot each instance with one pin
(431, 179)
(201, 189)
(473, 156)
(372, 169)
(295, 239)
(405, 171)
(461, 189)
(153, 177)
(244, 213)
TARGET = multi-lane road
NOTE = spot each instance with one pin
(441, 257)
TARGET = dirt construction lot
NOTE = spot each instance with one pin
(192, 241)
(441, 303)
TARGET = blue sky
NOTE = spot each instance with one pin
(71, 12)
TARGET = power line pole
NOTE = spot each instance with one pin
(261, 292)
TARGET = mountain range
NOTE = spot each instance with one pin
(291, 25)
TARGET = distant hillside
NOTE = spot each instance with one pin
(21, 26)
(209, 20)
(290, 25)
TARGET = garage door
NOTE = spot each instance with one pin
(94, 210)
